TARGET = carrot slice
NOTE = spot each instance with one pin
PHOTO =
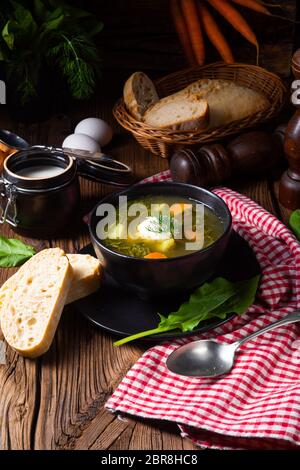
(155, 255)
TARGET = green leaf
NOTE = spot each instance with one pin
(13, 252)
(54, 20)
(240, 301)
(201, 302)
(8, 35)
(2, 54)
(24, 72)
(40, 10)
(295, 222)
(96, 29)
(215, 299)
(24, 19)
(91, 26)
(73, 12)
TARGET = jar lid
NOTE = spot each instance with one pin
(32, 169)
(97, 166)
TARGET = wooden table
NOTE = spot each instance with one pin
(57, 401)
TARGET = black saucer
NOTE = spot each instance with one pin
(122, 313)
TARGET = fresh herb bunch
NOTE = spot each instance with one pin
(39, 34)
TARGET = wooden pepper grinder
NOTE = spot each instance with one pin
(289, 187)
(251, 154)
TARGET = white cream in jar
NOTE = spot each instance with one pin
(40, 171)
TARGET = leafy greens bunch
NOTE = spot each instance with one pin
(48, 33)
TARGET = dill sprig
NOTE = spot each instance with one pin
(76, 56)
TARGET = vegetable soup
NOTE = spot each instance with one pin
(158, 227)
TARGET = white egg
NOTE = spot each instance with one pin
(81, 142)
(96, 128)
(150, 229)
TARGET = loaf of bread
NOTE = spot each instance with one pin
(86, 276)
(227, 101)
(34, 301)
(139, 94)
(180, 111)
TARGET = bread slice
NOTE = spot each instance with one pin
(227, 101)
(33, 304)
(139, 94)
(181, 111)
(86, 276)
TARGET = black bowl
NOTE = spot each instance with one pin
(150, 277)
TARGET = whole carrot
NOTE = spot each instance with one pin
(260, 7)
(214, 33)
(253, 5)
(182, 31)
(190, 14)
(235, 19)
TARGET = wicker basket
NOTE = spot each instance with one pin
(164, 142)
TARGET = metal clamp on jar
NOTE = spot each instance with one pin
(39, 187)
(9, 210)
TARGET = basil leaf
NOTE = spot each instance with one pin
(215, 299)
(295, 222)
(13, 252)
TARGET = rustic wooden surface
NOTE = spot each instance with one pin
(57, 401)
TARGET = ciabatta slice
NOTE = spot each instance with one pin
(87, 274)
(86, 280)
(139, 94)
(181, 111)
(33, 303)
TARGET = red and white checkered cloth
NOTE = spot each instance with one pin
(257, 405)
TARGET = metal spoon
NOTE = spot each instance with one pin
(207, 358)
(12, 141)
